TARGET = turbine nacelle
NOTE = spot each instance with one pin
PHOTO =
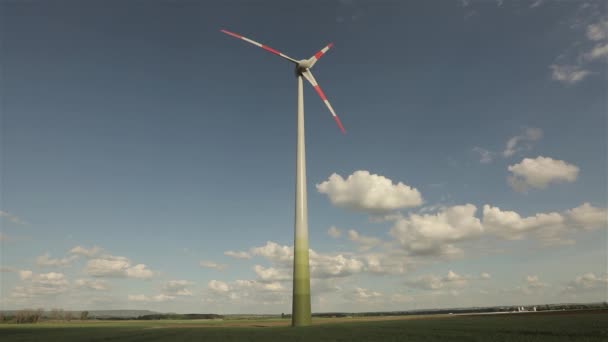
(304, 64)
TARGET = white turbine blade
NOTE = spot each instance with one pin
(308, 75)
(265, 47)
(318, 55)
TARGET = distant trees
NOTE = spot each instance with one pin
(28, 316)
(84, 315)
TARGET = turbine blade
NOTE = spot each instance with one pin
(308, 75)
(318, 55)
(265, 47)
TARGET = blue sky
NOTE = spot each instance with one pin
(140, 145)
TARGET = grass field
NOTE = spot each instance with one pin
(560, 326)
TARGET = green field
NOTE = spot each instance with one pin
(561, 326)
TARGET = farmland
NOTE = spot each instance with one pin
(550, 326)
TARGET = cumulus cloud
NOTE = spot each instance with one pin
(588, 217)
(44, 284)
(434, 234)
(598, 51)
(588, 282)
(46, 261)
(271, 274)
(432, 282)
(391, 262)
(532, 285)
(598, 31)
(247, 292)
(439, 234)
(25, 274)
(213, 265)
(360, 294)
(369, 193)
(333, 266)
(334, 232)
(510, 225)
(89, 253)
(92, 284)
(514, 144)
(237, 255)
(218, 286)
(485, 275)
(321, 265)
(177, 288)
(117, 267)
(540, 172)
(274, 252)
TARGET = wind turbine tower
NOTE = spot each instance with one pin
(301, 271)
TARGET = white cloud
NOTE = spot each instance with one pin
(532, 285)
(452, 280)
(218, 286)
(89, 253)
(274, 252)
(598, 31)
(211, 264)
(534, 282)
(365, 242)
(333, 266)
(25, 274)
(139, 271)
(588, 282)
(93, 284)
(321, 265)
(177, 288)
(45, 261)
(12, 218)
(510, 225)
(588, 217)
(334, 232)
(237, 255)
(539, 172)
(247, 292)
(392, 262)
(485, 156)
(370, 193)
(45, 284)
(485, 275)
(433, 234)
(514, 144)
(568, 74)
(363, 295)
(271, 274)
(598, 51)
(117, 267)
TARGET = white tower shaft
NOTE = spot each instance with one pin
(301, 273)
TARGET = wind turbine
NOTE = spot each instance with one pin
(301, 273)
